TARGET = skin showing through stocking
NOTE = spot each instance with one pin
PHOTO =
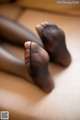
(53, 39)
(37, 60)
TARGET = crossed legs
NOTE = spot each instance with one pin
(36, 58)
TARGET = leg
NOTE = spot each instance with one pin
(37, 60)
(54, 42)
(12, 32)
(12, 64)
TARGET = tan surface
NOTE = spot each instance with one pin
(10, 10)
(26, 101)
(53, 5)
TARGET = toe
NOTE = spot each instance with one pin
(28, 65)
(27, 59)
(44, 24)
(27, 56)
(39, 29)
(34, 47)
(27, 45)
(27, 51)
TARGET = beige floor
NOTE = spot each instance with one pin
(26, 101)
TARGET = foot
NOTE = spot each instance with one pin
(36, 60)
(53, 39)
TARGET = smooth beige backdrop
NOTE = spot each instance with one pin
(59, 6)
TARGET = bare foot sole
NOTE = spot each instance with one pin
(36, 60)
(53, 39)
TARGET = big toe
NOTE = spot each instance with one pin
(39, 28)
(27, 45)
